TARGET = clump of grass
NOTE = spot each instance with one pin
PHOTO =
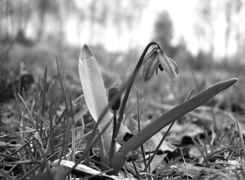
(42, 134)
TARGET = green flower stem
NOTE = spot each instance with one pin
(142, 136)
(113, 141)
(130, 83)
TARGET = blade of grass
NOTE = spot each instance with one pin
(51, 138)
(35, 109)
(173, 162)
(80, 132)
(66, 128)
(135, 169)
(239, 131)
(200, 150)
(113, 140)
(43, 98)
(186, 169)
(61, 83)
(241, 138)
(5, 174)
(121, 156)
(73, 137)
(223, 136)
(139, 128)
(158, 146)
(28, 110)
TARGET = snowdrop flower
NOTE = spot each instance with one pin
(158, 59)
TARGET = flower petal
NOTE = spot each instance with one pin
(175, 65)
(149, 67)
(151, 54)
(168, 65)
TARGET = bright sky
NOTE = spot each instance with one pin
(181, 12)
(184, 16)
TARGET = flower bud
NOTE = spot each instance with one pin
(113, 92)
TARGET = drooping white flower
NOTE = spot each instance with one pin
(158, 59)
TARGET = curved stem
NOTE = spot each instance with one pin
(113, 141)
(130, 83)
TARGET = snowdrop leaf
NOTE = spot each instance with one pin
(162, 121)
(92, 83)
(94, 90)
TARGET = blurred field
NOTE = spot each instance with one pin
(116, 67)
(157, 95)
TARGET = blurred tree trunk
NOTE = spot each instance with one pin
(233, 20)
(9, 17)
(63, 16)
(41, 11)
(92, 19)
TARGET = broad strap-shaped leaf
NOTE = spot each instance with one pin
(94, 91)
(162, 121)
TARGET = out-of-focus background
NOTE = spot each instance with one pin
(205, 38)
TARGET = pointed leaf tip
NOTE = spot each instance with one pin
(230, 82)
(85, 52)
(234, 79)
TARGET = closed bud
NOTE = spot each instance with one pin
(113, 92)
